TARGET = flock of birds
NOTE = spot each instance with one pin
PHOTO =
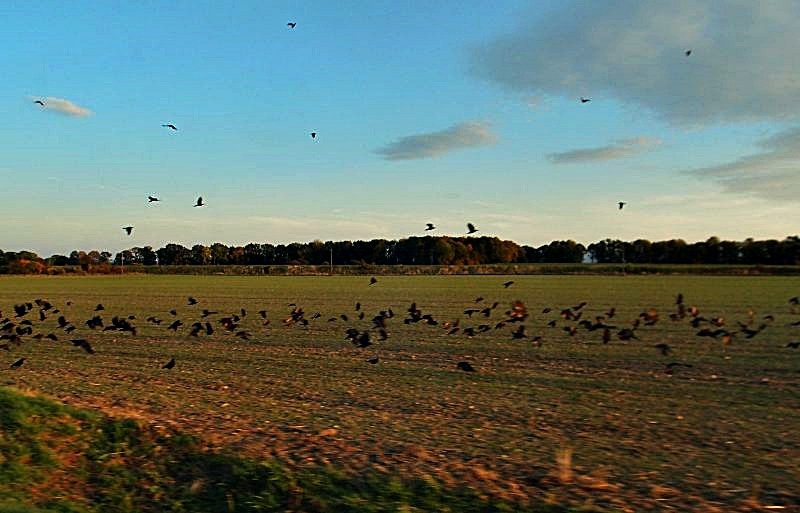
(30, 321)
(200, 203)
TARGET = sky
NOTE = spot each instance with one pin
(444, 112)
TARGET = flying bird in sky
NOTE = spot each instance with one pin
(585, 100)
(291, 24)
(688, 52)
(40, 102)
(151, 199)
(171, 126)
(471, 228)
(199, 202)
(621, 204)
(430, 227)
(128, 229)
(313, 135)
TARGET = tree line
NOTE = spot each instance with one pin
(420, 251)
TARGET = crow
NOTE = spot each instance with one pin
(99, 307)
(373, 280)
(175, 325)
(585, 100)
(192, 301)
(688, 53)
(465, 366)
(291, 24)
(471, 228)
(429, 227)
(793, 345)
(508, 284)
(83, 344)
(18, 363)
(621, 204)
(170, 126)
(170, 364)
(199, 202)
(128, 229)
(313, 135)
(40, 102)
(151, 199)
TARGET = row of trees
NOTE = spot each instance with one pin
(423, 250)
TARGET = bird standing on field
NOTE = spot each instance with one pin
(18, 363)
(170, 364)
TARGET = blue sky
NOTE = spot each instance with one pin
(440, 112)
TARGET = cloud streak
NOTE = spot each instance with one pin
(742, 68)
(62, 106)
(774, 173)
(433, 144)
(620, 149)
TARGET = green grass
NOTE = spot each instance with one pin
(720, 433)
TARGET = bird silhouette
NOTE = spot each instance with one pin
(291, 24)
(313, 135)
(508, 284)
(585, 100)
(40, 102)
(373, 280)
(429, 227)
(793, 345)
(128, 229)
(471, 228)
(18, 363)
(373, 360)
(688, 53)
(199, 202)
(621, 204)
(83, 344)
(151, 199)
(192, 301)
(170, 364)
(98, 307)
(170, 126)
(465, 366)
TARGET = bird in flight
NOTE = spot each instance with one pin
(508, 284)
(40, 102)
(313, 135)
(291, 24)
(128, 229)
(199, 202)
(18, 363)
(171, 126)
(621, 204)
(585, 100)
(688, 52)
(430, 227)
(151, 199)
(373, 280)
(471, 228)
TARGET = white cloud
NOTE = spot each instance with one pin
(619, 149)
(773, 173)
(63, 106)
(743, 65)
(433, 144)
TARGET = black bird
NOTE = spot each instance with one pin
(373, 360)
(199, 202)
(170, 126)
(263, 314)
(128, 229)
(175, 325)
(170, 364)
(99, 307)
(373, 280)
(18, 363)
(173, 312)
(40, 102)
(793, 345)
(151, 199)
(291, 24)
(508, 284)
(520, 332)
(83, 344)
(688, 53)
(465, 366)
(192, 301)
(585, 100)
(313, 135)
(471, 228)
(429, 227)
(621, 204)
